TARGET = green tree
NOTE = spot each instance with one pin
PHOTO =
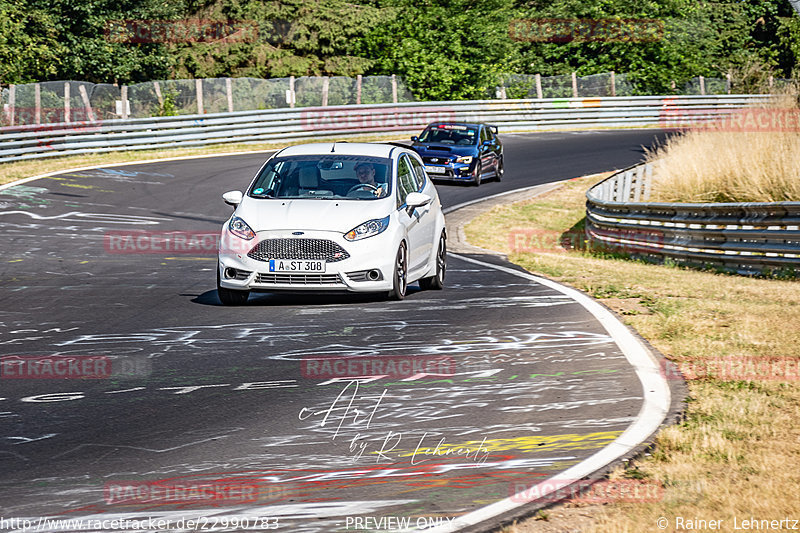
(29, 46)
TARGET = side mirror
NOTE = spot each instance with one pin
(417, 199)
(494, 129)
(414, 138)
(232, 198)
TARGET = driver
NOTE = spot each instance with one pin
(366, 175)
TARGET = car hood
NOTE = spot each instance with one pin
(310, 214)
(444, 150)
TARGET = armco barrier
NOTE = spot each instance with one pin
(749, 238)
(52, 140)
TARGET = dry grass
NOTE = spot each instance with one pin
(737, 452)
(752, 157)
(22, 169)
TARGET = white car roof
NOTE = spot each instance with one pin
(346, 148)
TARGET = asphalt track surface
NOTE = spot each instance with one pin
(236, 398)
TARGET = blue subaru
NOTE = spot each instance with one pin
(460, 152)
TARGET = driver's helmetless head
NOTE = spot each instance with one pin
(365, 173)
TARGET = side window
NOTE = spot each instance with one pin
(405, 180)
(419, 170)
(489, 133)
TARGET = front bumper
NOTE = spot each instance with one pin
(351, 274)
(452, 171)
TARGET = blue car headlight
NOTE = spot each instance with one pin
(239, 227)
(370, 228)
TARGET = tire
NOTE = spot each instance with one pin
(399, 277)
(230, 296)
(500, 169)
(476, 176)
(436, 282)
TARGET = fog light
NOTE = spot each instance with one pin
(230, 273)
(374, 275)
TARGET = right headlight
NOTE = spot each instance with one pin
(239, 227)
(467, 159)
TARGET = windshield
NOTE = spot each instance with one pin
(450, 134)
(334, 177)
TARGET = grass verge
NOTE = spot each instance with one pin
(735, 456)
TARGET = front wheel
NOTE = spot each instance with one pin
(230, 296)
(436, 282)
(476, 176)
(400, 283)
(500, 170)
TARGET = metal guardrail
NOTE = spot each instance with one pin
(53, 140)
(749, 238)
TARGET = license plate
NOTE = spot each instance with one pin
(434, 170)
(296, 265)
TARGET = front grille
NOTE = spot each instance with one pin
(299, 279)
(436, 160)
(319, 249)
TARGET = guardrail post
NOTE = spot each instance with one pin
(160, 97)
(394, 89)
(325, 85)
(626, 187)
(12, 101)
(67, 117)
(358, 89)
(229, 94)
(648, 180)
(86, 103)
(124, 98)
(539, 86)
(291, 95)
(198, 85)
(37, 103)
(574, 84)
(637, 189)
(702, 85)
(613, 84)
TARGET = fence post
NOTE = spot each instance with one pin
(66, 103)
(539, 86)
(771, 79)
(358, 89)
(613, 84)
(229, 92)
(291, 91)
(160, 97)
(124, 98)
(12, 101)
(37, 103)
(198, 85)
(86, 103)
(326, 80)
(574, 84)
(702, 85)
(394, 89)
(728, 82)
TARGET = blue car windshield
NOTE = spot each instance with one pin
(450, 134)
(334, 177)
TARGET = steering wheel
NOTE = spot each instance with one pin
(369, 186)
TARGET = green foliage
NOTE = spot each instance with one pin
(443, 49)
(169, 108)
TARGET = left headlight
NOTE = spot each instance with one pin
(239, 227)
(370, 228)
(467, 159)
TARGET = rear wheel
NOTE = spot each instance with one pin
(476, 175)
(400, 284)
(436, 282)
(230, 296)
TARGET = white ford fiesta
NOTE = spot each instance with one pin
(334, 216)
